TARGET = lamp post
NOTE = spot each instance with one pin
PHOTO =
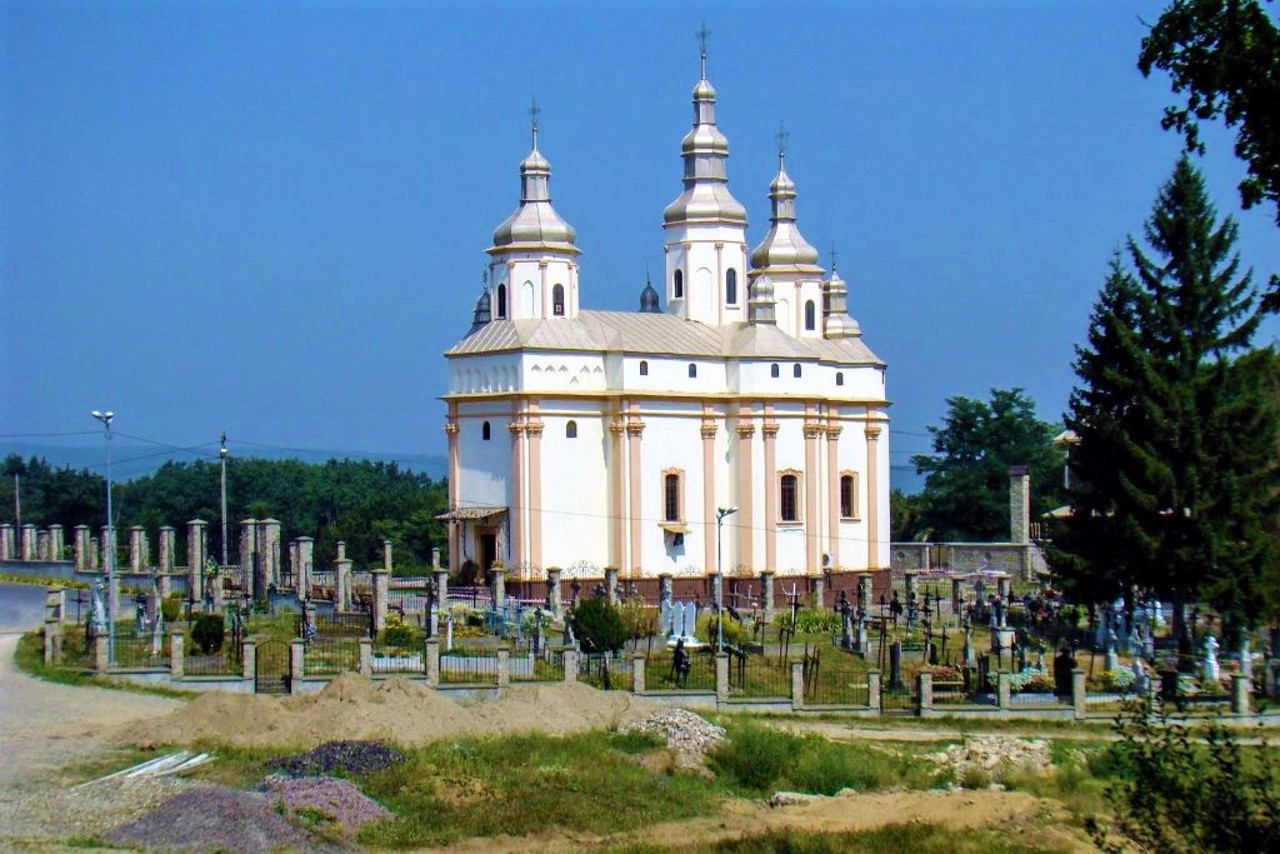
(721, 512)
(222, 454)
(112, 597)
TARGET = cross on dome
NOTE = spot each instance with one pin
(704, 37)
(534, 110)
(782, 137)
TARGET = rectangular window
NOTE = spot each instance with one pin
(848, 496)
(788, 502)
(671, 498)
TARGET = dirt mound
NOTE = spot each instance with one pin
(352, 707)
(210, 820)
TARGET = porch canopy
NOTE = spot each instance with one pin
(471, 514)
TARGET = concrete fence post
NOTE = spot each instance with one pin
(873, 690)
(249, 658)
(504, 667)
(1240, 694)
(381, 594)
(766, 594)
(611, 584)
(102, 653)
(637, 674)
(177, 652)
(797, 685)
(52, 634)
(433, 663)
(722, 677)
(1079, 694)
(924, 689)
(1004, 689)
(366, 657)
(570, 665)
(297, 664)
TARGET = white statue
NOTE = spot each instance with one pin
(1211, 670)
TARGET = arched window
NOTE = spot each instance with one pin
(484, 431)
(671, 497)
(571, 430)
(693, 371)
(848, 496)
(810, 316)
(557, 300)
(774, 371)
(839, 378)
(502, 302)
(789, 490)
(678, 282)
(644, 368)
(795, 370)
(731, 287)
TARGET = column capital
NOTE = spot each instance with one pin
(635, 428)
(617, 427)
(516, 428)
(813, 430)
(709, 429)
(534, 428)
(873, 431)
(770, 429)
(833, 432)
(451, 428)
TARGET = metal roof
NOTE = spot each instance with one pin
(658, 334)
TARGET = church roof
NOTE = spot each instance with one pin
(657, 334)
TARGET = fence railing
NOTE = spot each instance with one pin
(548, 667)
(391, 659)
(224, 662)
(660, 673)
(608, 672)
(459, 669)
(327, 656)
(759, 676)
(132, 653)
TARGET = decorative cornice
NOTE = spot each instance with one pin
(709, 429)
(770, 429)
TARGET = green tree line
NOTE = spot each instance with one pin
(360, 503)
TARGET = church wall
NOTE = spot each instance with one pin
(575, 483)
(672, 441)
(561, 371)
(485, 466)
(484, 374)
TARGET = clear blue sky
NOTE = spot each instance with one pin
(269, 218)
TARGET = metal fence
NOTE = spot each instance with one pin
(77, 651)
(660, 673)
(547, 667)
(393, 659)
(225, 662)
(606, 671)
(328, 656)
(137, 652)
(758, 676)
(460, 669)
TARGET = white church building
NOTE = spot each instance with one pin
(582, 440)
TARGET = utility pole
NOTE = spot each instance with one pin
(222, 455)
(113, 599)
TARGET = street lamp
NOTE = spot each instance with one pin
(721, 512)
(112, 593)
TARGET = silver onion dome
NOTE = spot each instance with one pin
(706, 196)
(535, 223)
(649, 303)
(784, 247)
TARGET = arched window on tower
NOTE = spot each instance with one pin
(810, 316)
(484, 431)
(775, 371)
(557, 300)
(502, 302)
(731, 287)
(678, 282)
(644, 368)
(795, 370)
(839, 378)
(571, 430)
(693, 371)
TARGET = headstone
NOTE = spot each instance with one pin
(1112, 658)
(895, 666)
(1211, 671)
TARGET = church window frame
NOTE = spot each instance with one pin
(789, 497)
(486, 432)
(839, 377)
(693, 370)
(673, 495)
(774, 371)
(571, 429)
(731, 287)
(644, 368)
(795, 370)
(557, 301)
(810, 316)
(849, 495)
(677, 284)
(502, 301)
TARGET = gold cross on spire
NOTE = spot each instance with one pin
(534, 109)
(833, 256)
(704, 36)
(782, 137)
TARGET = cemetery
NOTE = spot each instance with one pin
(926, 643)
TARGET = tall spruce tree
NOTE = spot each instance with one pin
(1176, 461)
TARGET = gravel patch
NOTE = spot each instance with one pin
(340, 801)
(996, 755)
(345, 757)
(690, 736)
(211, 819)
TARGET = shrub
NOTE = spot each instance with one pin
(207, 633)
(171, 609)
(396, 632)
(733, 630)
(755, 757)
(599, 626)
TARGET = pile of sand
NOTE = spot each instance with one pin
(352, 707)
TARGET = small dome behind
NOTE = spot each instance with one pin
(483, 313)
(649, 300)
